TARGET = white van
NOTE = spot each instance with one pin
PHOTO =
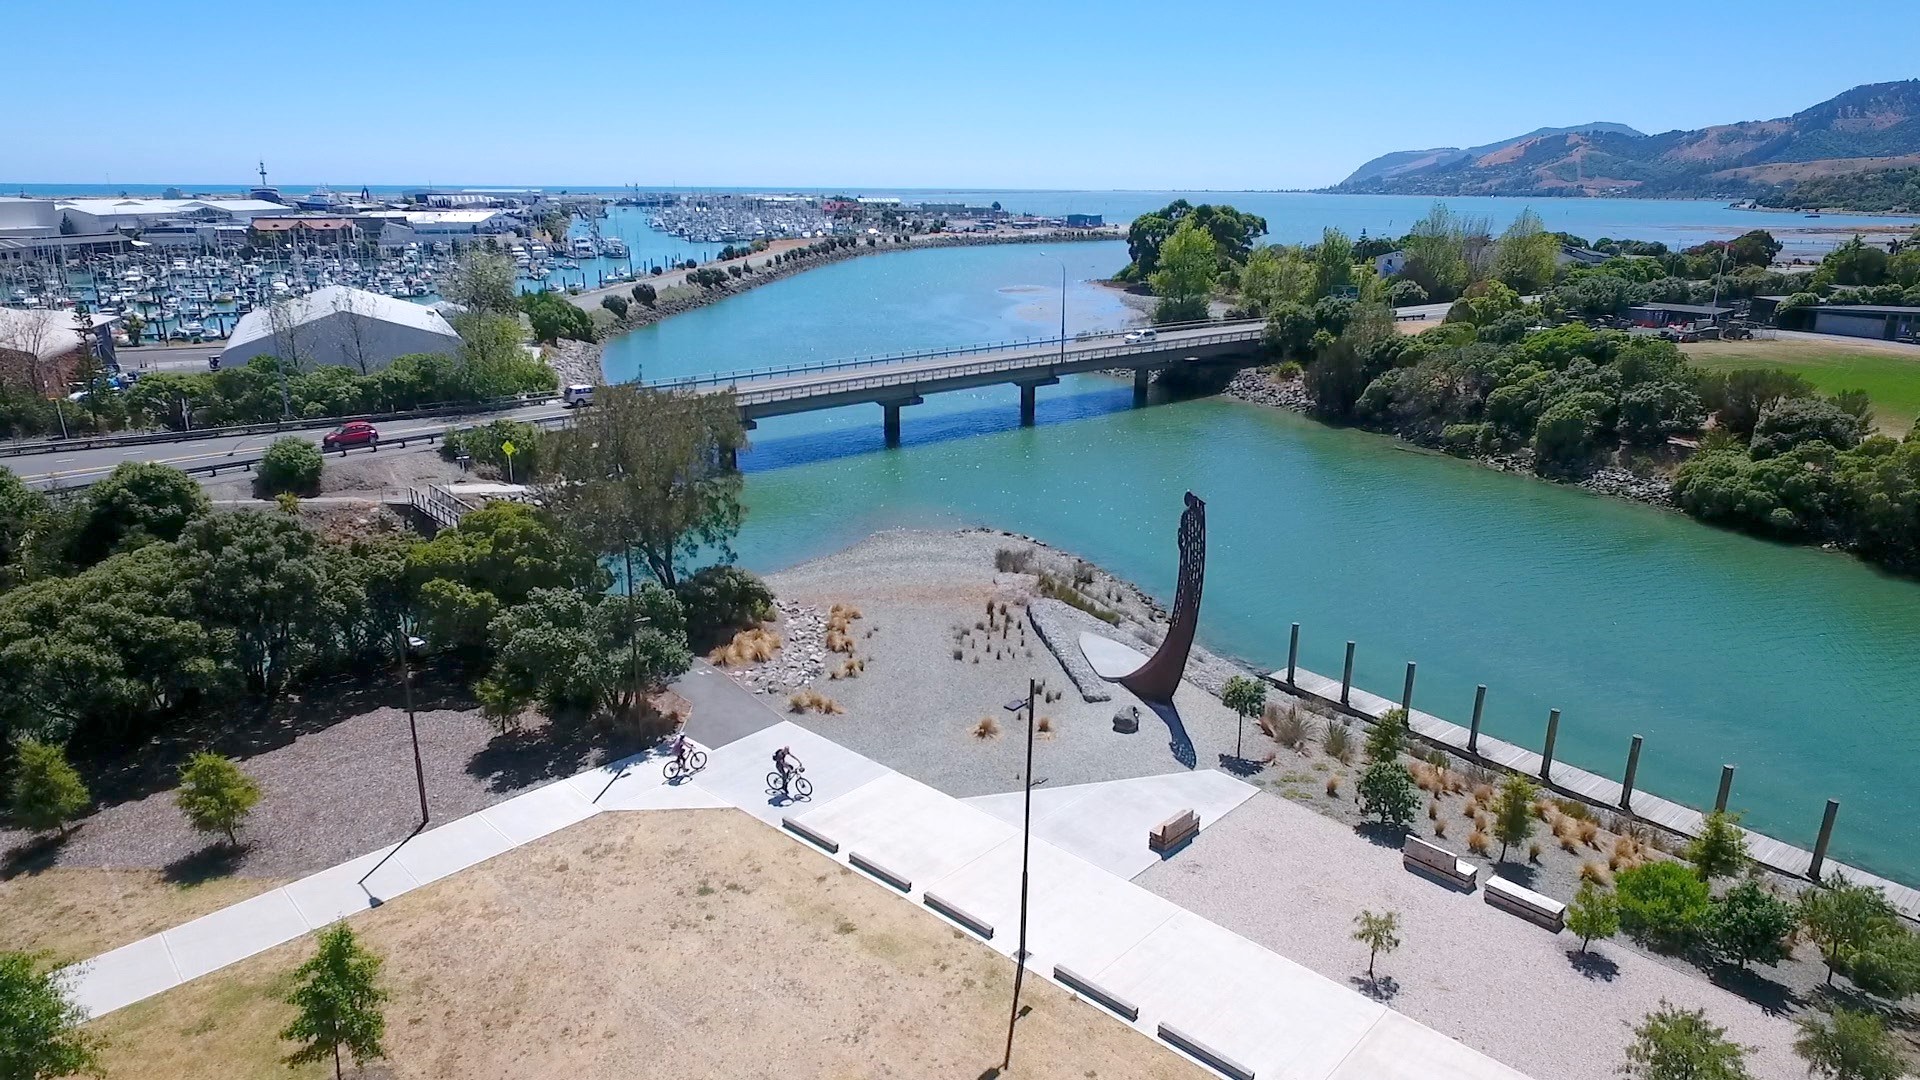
(577, 395)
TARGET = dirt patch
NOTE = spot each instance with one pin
(700, 938)
(75, 914)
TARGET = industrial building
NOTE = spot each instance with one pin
(340, 326)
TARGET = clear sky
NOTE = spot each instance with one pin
(1041, 93)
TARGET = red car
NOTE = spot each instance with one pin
(357, 433)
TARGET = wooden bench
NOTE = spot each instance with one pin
(1437, 862)
(1173, 832)
(1513, 899)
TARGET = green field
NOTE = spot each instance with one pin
(1891, 378)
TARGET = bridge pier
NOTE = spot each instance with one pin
(1140, 377)
(1029, 398)
(890, 418)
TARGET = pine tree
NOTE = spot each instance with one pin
(1721, 848)
(339, 1002)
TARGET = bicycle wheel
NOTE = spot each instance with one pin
(697, 760)
(672, 770)
(802, 788)
(773, 782)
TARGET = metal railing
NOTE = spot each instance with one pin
(441, 506)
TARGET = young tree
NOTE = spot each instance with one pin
(482, 282)
(339, 998)
(1526, 255)
(46, 792)
(650, 474)
(1721, 848)
(1749, 924)
(1379, 933)
(1672, 1043)
(40, 1033)
(1188, 263)
(1387, 738)
(1386, 791)
(215, 795)
(1513, 813)
(1848, 1045)
(1246, 697)
(1843, 918)
(1593, 915)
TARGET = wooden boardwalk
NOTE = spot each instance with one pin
(1583, 785)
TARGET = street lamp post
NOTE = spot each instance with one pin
(1026, 846)
(1063, 302)
(401, 640)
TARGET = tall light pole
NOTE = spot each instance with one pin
(1063, 302)
(413, 730)
(1026, 846)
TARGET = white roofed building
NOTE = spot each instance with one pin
(337, 325)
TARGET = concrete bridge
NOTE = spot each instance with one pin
(896, 381)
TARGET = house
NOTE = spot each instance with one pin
(41, 348)
(329, 227)
(1390, 264)
(1887, 323)
(339, 326)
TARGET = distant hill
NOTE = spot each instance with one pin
(1867, 128)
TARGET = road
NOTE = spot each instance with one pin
(63, 467)
(184, 358)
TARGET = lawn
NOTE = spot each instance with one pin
(1890, 377)
(73, 914)
(657, 943)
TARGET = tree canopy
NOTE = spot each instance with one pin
(1232, 232)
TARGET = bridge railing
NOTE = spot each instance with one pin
(739, 375)
(1049, 363)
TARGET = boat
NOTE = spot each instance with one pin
(613, 247)
(582, 247)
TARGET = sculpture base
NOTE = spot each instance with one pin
(1111, 660)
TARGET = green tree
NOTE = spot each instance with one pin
(1513, 813)
(482, 281)
(1663, 903)
(138, 503)
(1798, 421)
(645, 294)
(1855, 262)
(572, 653)
(1756, 247)
(1721, 848)
(650, 474)
(290, 464)
(1526, 256)
(615, 303)
(1379, 933)
(1848, 1045)
(215, 795)
(1188, 264)
(1387, 738)
(721, 599)
(1246, 697)
(40, 1033)
(338, 994)
(1593, 915)
(45, 793)
(1386, 791)
(1565, 434)
(22, 510)
(1672, 1043)
(251, 576)
(1889, 966)
(1333, 263)
(1750, 925)
(495, 558)
(553, 317)
(1843, 919)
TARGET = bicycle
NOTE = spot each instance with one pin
(794, 787)
(696, 760)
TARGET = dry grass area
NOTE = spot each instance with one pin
(73, 914)
(664, 943)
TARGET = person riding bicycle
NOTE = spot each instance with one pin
(681, 748)
(786, 765)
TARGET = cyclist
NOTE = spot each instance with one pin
(786, 765)
(681, 748)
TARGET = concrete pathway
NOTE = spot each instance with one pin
(723, 710)
(1209, 993)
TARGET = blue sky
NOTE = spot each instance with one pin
(989, 94)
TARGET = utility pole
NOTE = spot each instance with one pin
(1026, 847)
(413, 729)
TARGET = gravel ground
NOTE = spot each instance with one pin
(387, 473)
(336, 775)
(1293, 881)
(914, 707)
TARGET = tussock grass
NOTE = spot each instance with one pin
(987, 728)
(1338, 742)
(1594, 872)
(813, 701)
(755, 646)
(1333, 785)
(1479, 842)
(1440, 828)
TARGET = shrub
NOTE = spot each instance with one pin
(1386, 791)
(1679, 1044)
(1721, 848)
(1290, 728)
(1889, 966)
(1750, 925)
(1013, 560)
(215, 795)
(1388, 736)
(486, 445)
(1663, 904)
(719, 599)
(290, 464)
(1848, 1045)
(45, 793)
(1843, 919)
(987, 728)
(645, 294)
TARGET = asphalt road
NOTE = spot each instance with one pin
(67, 466)
(184, 358)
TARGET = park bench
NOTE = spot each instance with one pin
(1524, 902)
(1435, 861)
(1173, 832)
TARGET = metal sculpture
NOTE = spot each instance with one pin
(1159, 677)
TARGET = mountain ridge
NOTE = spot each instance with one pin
(1869, 127)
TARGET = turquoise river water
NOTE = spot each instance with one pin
(1794, 664)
